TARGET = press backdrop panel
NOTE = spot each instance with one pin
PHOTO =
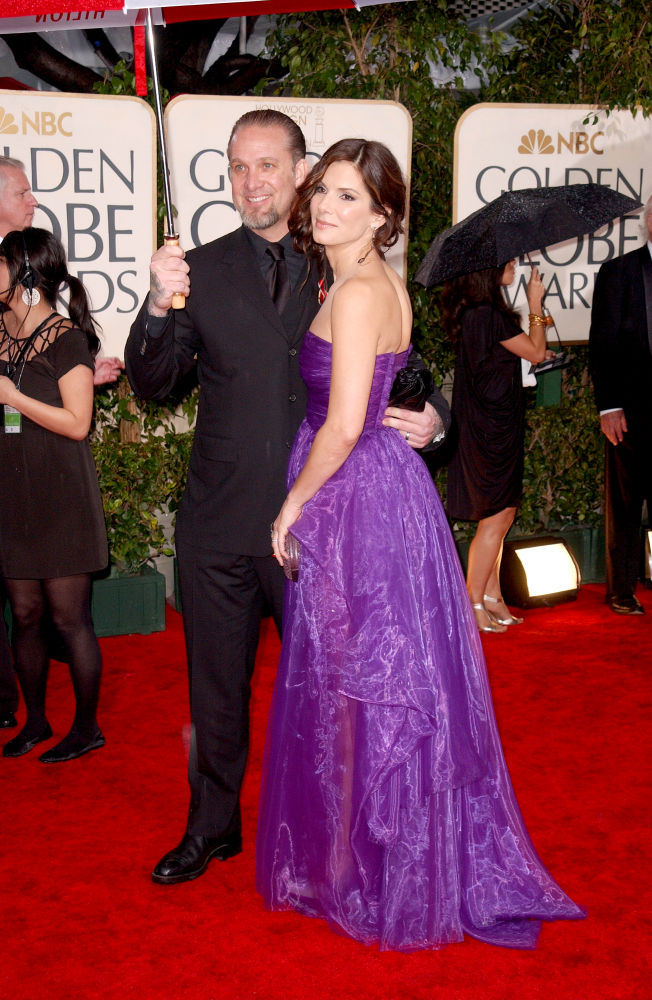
(91, 162)
(198, 129)
(502, 147)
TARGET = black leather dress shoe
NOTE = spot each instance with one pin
(7, 720)
(23, 744)
(627, 605)
(191, 857)
(74, 745)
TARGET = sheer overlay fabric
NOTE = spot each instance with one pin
(386, 804)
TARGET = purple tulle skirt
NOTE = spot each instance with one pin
(386, 805)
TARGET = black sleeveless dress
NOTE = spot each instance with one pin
(51, 516)
(486, 472)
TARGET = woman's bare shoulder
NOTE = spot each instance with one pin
(356, 292)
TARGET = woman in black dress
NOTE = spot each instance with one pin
(52, 532)
(485, 476)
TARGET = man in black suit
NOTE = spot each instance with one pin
(620, 361)
(245, 344)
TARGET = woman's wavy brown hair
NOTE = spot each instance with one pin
(383, 180)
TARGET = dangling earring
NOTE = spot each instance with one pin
(361, 260)
(31, 297)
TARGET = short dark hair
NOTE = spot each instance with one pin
(382, 178)
(268, 118)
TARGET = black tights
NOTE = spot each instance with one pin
(65, 602)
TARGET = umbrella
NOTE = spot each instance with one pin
(241, 7)
(52, 15)
(519, 222)
(171, 237)
(28, 15)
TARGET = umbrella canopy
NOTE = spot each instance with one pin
(48, 15)
(25, 15)
(519, 222)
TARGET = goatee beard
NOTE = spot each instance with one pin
(265, 221)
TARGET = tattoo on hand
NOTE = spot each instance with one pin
(155, 286)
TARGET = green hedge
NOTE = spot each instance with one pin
(567, 52)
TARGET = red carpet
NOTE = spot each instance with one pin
(81, 918)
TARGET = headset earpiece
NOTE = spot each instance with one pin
(29, 280)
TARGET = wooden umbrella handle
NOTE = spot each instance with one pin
(178, 299)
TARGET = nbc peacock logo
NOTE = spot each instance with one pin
(536, 141)
(7, 122)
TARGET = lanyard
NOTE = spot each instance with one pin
(12, 416)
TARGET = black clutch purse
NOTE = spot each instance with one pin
(412, 388)
(560, 360)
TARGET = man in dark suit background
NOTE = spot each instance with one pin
(243, 324)
(620, 361)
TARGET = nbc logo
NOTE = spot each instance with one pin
(539, 142)
(7, 122)
(38, 122)
(536, 142)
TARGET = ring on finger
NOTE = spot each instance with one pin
(407, 435)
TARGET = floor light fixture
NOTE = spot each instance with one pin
(539, 572)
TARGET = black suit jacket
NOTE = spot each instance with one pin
(620, 361)
(251, 399)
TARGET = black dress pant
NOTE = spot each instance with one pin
(223, 599)
(628, 483)
(8, 685)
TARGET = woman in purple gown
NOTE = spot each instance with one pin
(386, 805)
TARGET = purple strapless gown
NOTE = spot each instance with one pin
(386, 805)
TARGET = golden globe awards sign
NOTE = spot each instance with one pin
(91, 163)
(504, 147)
(198, 130)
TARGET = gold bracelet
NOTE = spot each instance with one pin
(540, 320)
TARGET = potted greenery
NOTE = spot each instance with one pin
(564, 471)
(141, 458)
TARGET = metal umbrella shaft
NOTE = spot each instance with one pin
(159, 125)
(171, 237)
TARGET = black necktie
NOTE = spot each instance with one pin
(276, 278)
